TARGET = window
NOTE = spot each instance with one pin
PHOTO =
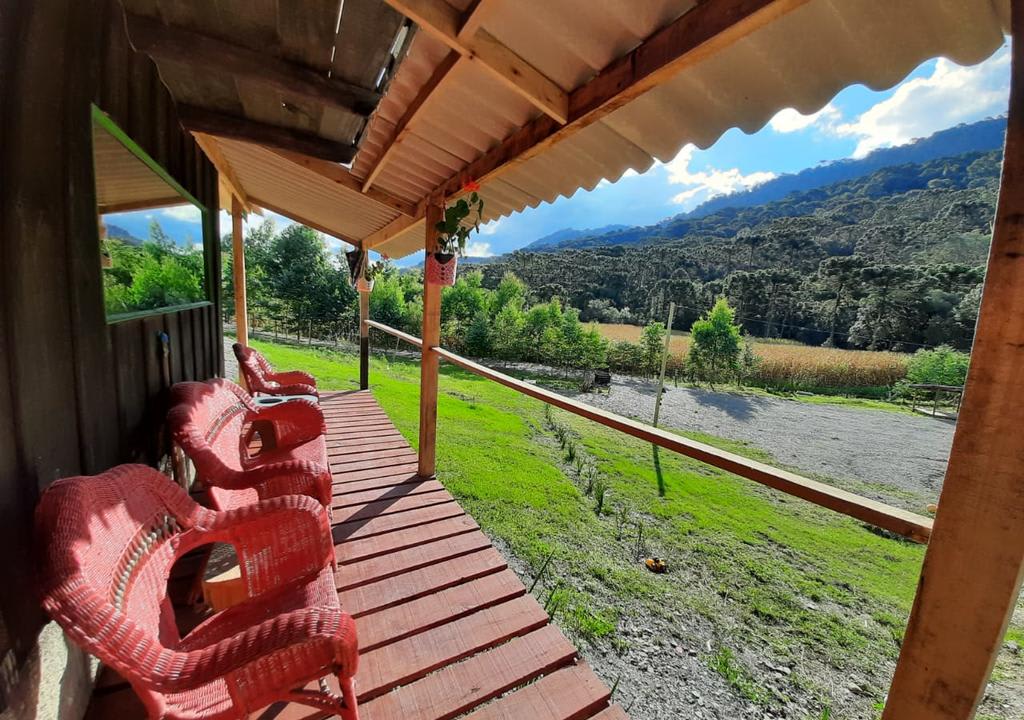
(151, 230)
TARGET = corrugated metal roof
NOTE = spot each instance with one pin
(801, 60)
(281, 185)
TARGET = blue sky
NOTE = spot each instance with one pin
(937, 95)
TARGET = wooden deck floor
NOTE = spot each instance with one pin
(445, 627)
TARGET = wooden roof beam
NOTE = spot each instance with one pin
(227, 174)
(210, 122)
(305, 221)
(415, 107)
(340, 175)
(185, 47)
(444, 22)
(703, 31)
(392, 229)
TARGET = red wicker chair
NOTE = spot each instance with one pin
(213, 421)
(261, 378)
(107, 544)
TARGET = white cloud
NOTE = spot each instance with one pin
(491, 227)
(924, 105)
(185, 213)
(790, 120)
(705, 184)
(475, 248)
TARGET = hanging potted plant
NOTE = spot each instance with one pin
(356, 259)
(453, 232)
(365, 282)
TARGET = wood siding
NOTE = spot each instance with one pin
(78, 395)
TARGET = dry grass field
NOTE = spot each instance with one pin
(791, 365)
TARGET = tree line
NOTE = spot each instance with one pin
(894, 260)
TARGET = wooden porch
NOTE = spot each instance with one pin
(445, 627)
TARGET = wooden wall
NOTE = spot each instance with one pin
(77, 395)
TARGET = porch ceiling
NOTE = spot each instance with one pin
(537, 99)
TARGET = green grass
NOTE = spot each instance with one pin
(789, 580)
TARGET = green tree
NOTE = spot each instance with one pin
(652, 344)
(478, 336)
(716, 344)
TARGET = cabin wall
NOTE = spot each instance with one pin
(77, 395)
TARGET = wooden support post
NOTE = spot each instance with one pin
(364, 336)
(973, 568)
(429, 360)
(238, 274)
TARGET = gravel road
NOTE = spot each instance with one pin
(882, 449)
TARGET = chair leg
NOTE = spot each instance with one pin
(348, 696)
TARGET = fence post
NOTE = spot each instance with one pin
(664, 363)
(429, 359)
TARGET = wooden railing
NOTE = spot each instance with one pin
(895, 520)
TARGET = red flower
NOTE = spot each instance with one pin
(471, 186)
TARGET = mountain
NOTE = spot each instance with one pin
(973, 137)
(119, 233)
(564, 235)
(898, 166)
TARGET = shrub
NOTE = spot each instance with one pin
(716, 344)
(941, 366)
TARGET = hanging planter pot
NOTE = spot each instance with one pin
(441, 268)
(364, 286)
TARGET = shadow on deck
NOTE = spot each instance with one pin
(445, 627)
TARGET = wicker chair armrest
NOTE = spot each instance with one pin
(279, 540)
(293, 377)
(295, 422)
(291, 389)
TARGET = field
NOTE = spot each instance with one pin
(786, 365)
(768, 599)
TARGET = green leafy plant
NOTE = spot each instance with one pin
(453, 230)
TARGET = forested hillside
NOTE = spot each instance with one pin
(892, 260)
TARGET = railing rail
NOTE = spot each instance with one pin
(896, 520)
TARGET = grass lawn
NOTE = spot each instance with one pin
(763, 577)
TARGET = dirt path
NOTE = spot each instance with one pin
(891, 456)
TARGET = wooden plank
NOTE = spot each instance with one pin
(459, 688)
(437, 608)
(615, 712)
(375, 596)
(341, 176)
(355, 448)
(572, 693)
(422, 487)
(221, 124)
(901, 522)
(361, 475)
(391, 505)
(345, 531)
(972, 571)
(380, 458)
(414, 108)
(407, 660)
(444, 22)
(421, 554)
(428, 358)
(473, 18)
(355, 550)
(340, 489)
(705, 30)
(197, 51)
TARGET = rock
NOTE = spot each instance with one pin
(1012, 647)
